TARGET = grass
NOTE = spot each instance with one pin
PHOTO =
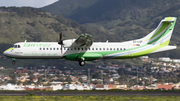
(87, 98)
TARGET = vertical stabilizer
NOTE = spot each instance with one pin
(162, 34)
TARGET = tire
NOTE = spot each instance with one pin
(13, 62)
(82, 63)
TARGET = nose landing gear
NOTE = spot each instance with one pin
(13, 62)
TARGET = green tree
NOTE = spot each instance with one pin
(80, 80)
(68, 79)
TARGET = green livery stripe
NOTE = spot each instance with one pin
(141, 53)
(95, 55)
(134, 51)
(9, 49)
(163, 27)
(158, 38)
(169, 19)
(151, 50)
(165, 33)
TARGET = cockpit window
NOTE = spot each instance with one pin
(13, 46)
(16, 46)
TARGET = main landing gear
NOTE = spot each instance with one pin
(81, 62)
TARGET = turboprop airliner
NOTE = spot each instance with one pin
(84, 49)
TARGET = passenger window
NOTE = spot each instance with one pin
(15, 46)
(57, 48)
(103, 48)
(121, 48)
(89, 48)
(50, 48)
(117, 48)
(114, 48)
(74, 48)
(64, 48)
(19, 46)
(47, 48)
(43, 48)
(39, 48)
(99, 48)
(78, 48)
(107, 48)
(71, 48)
(85, 48)
(96, 48)
(124, 48)
(110, 48)
(92, 48)
(82, 48)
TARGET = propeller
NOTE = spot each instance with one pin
(60, 39)
(61, 42)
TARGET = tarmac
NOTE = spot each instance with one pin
(128, 93)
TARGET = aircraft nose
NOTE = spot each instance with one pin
(5, 53)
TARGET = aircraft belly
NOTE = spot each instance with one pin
(87, 56)
(91, 56)
(37, 57)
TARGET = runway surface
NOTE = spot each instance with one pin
(135, 93)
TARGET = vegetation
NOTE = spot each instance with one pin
(31, 24)
(85, 11)
(109, 22)
(87, 98)
(122, 20)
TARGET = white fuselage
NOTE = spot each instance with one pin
(52, 50)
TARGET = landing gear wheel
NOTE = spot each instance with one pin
(82, 63)
(13, 62)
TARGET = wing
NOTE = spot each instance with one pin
(84, 40)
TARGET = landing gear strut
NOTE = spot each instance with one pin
(81, 62)
(13, 62)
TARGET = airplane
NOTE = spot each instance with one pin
(84, 49)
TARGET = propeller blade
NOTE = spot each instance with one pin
(60, 39)
(61, 49)
(61, 36)
(61, 42)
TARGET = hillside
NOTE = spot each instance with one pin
(127, 19)
(85, 11)
(31, 24)
(67, 7)
(124, 19)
